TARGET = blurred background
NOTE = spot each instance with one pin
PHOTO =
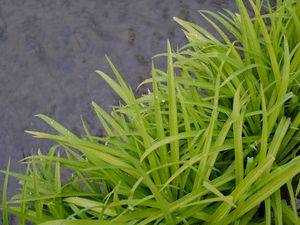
(49, 50)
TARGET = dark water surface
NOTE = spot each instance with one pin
(49, 50)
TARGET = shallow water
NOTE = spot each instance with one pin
(49, 50)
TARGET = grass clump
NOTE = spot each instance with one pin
(215, 140)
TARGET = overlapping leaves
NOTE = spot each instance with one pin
(215, 140)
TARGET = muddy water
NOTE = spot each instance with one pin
(49, 50)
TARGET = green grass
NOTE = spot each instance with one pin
(215, 140)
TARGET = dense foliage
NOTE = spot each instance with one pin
(215, 140)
